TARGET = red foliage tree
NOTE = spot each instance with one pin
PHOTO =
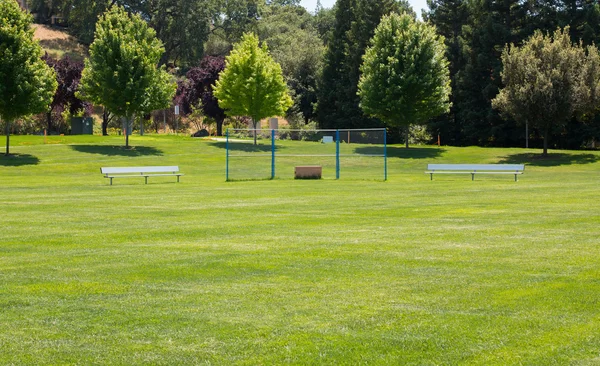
(196, 90)
(68, 74)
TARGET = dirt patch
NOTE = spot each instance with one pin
(43, 32)
(59, 43)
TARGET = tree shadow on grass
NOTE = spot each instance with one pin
(550, 160)
(401, 152)
(18, 160)
(111, 150)
(248, 146)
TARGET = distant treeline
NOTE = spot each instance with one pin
(321, 52)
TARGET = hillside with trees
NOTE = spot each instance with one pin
(321, 53)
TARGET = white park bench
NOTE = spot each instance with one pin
(473, 169)
(140, 171)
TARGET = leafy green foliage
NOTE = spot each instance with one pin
(196, 91)
(405, 77)
(355, 23)
(548, 80)
(121, 73)
(252, 83)
(182, 25)
(231, 19)
(28, 84)
(324, 21)
(295, 44)
(68, 75)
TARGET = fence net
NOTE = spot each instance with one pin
(342, 154)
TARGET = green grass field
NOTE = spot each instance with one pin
(407, 271)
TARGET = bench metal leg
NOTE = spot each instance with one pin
(515, 177)
(430, 176)
(146, 178)
(472, 176)
(111, 181)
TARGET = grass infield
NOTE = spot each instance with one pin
(408, 271)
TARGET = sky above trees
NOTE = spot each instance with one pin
(310, 5)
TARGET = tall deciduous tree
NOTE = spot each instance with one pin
(549, 80)
(287, 29)
(355, 23)
(27, 83)
(121, 73)
(252, 83)
(405, 77)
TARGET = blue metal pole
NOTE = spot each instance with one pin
(337, 154)
(272, 154)
(384, 154)
(227, 155)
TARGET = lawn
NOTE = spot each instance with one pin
(355, 271)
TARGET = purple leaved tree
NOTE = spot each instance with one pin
(197, 90)
(68, 74)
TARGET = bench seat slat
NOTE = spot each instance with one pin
(163, 175)
(473, 169)
(471, 172)
(144, 171)
(477, 167)
(139, 169)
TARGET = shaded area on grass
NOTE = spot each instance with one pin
(401, 152)
(245, 146)
(18, 160)
(112, 150)
(550, 160)
(60, 47)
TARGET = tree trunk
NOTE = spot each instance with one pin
(220, 127)
(526, 134)
(254, 126)
(407, 134)
(7, 138)
(126, 130)
(49, 121)
(104, 122)
(546, 133)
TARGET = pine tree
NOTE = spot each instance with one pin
(492, 24)
(449, 17)
(333, 82)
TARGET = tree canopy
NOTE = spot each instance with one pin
(548, 80)
(197, 90)
(68, 75)
(252, 83)
(287, 29)
(28, 84)
(405, 77)
(121, 72)
(355, 23)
